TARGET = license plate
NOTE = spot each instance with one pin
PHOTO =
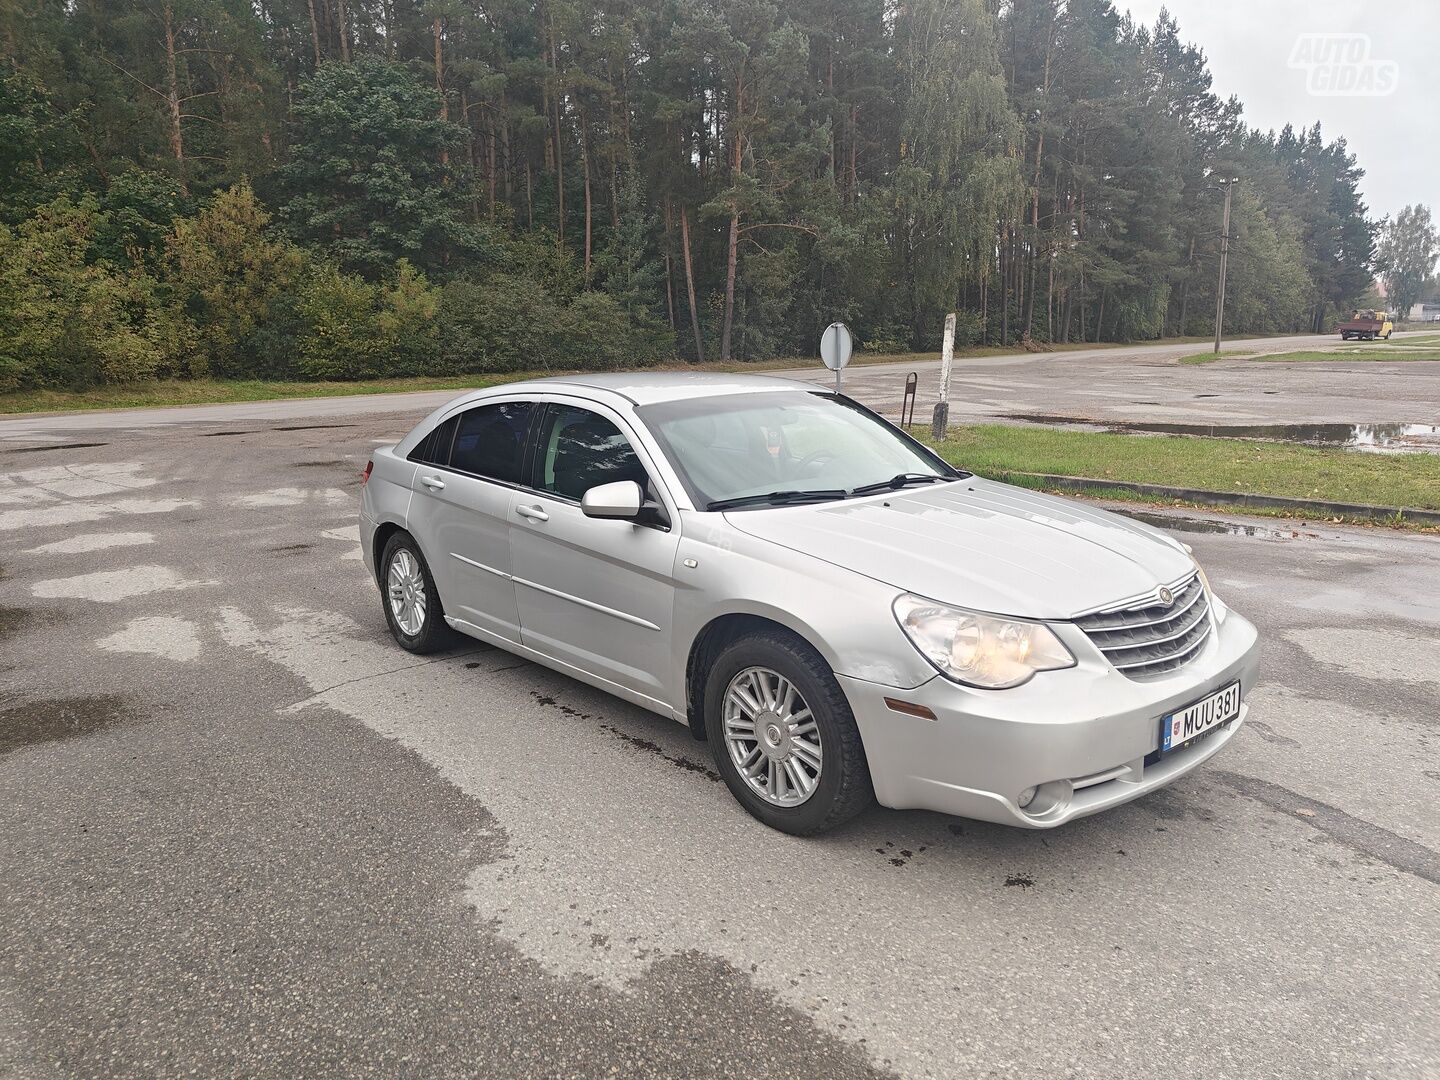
(1183, 726)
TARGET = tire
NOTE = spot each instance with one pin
(1344, 337)
(402, 555)
(842, 788)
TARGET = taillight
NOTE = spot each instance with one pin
(369, 467)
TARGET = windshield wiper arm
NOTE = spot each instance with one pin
(778, 498)
(904, 479)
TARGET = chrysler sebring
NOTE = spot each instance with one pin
(841, 614)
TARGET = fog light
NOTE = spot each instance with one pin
(1025, 798)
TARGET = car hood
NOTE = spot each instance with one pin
(982, 545)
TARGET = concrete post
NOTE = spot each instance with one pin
(941, 421)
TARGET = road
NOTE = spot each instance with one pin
(1146, 383)
(1141, 382)
(241, 833)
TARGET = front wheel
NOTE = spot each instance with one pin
(412, 603)
(783, 735)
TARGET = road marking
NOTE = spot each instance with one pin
(1373, 654)
(79, 512)
(295, 496)
(350, 534)
(76, 545)
(164, 636)
(108, 586)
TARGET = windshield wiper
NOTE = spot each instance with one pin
(778, 498)
(904, 479)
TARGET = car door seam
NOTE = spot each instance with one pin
(482, 566)
(622, 615)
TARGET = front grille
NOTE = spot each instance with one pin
(1150, 638)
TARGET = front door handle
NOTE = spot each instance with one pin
(534, 513)
(434, 483)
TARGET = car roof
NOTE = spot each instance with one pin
(650, 387)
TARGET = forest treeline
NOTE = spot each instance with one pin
(348, 188)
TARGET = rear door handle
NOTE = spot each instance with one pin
(534, 513)
(434, 483)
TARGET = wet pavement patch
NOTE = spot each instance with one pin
(334, 463)
(1213, 526)
(1371, 437)
(654, 748)
(1360, 836)
(289, 549)
(57, 446)
(633, 740)
(223, 434)
(313, 427)
(12, 619)
(58, 719)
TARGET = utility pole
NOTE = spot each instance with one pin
(940, 423)
(1229, 186)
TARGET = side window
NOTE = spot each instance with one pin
(579, 449)
(490, 441)
(434, 449)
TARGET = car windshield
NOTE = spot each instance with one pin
(785, 446)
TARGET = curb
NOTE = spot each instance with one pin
(1235, 498)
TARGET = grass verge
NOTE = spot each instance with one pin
(1298, 472)
(164, 392)
(1371, 353)
(1211, 357)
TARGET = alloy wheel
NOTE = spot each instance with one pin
(772, 737)
(406, 589)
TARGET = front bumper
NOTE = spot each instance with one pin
(1086, 736)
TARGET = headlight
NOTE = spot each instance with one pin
(1216, 604)
(980, 650)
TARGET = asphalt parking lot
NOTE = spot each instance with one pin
(241, 833)
(1145, 383)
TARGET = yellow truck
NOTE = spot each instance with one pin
(1367, 325)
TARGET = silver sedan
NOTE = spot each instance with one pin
(843, 616)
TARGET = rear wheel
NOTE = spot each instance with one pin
(783, 735)
(412, 603)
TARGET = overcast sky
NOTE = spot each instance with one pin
(1249, 45)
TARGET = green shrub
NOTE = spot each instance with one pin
(65, 322)
(506, 323)
(227, 271)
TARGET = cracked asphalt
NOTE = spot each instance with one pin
(243, 834)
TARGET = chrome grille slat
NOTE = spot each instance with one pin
(1174, 660)
(1149, 638)
(1110, 642)
(1175, 612)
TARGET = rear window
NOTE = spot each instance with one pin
(490, 441)
(434, 449)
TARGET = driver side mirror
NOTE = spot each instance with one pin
(622, 500)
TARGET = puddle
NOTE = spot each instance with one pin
(312, 427)
(1372, 437)
(224, 434)
(289, 549)
(57, 720)
(1213, 526)
(57, 446)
